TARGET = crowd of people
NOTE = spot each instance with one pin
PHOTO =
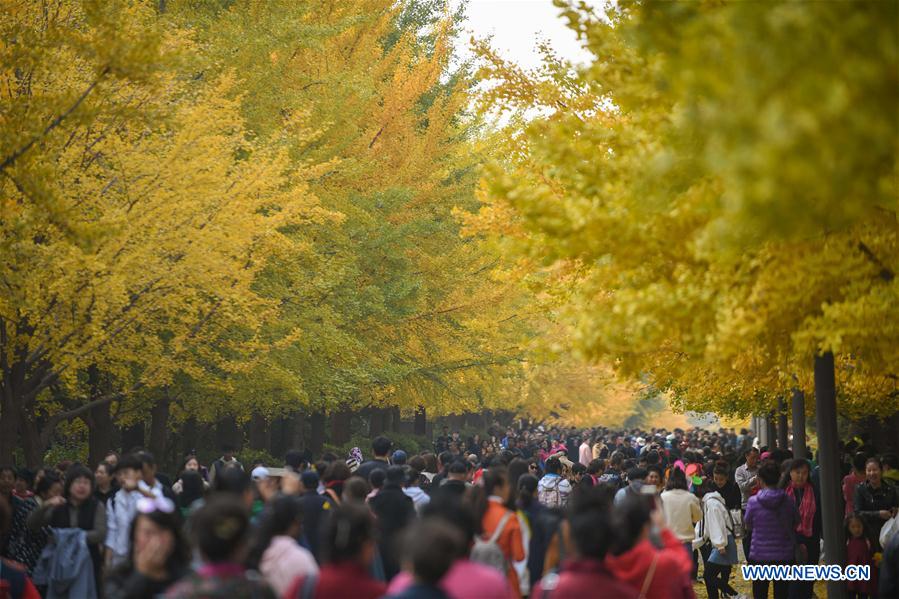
(540, 512)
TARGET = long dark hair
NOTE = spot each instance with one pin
(347, 530)
(278, 517)
(527, 490)
(495, 476)
(517, 468)
(676, 480)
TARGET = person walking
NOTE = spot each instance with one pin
(498, 523)
(772, 517)
(587, 574)
(746, 477)
(681, 508)
(553, 490)
(650, 558)
(77, 508)
(394, 511)
(159, 555)
(275, 551)
(222, 531)
(348, 547)
(876, 500)
(808, 531)
(718, 527)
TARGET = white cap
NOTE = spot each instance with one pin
(260, 473)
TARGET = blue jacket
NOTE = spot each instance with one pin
(65, 565)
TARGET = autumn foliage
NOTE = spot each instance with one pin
(713, 198)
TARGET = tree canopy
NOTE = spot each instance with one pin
(719, 185)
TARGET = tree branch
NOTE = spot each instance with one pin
(50, 425)
(885, 273)
(9, 160)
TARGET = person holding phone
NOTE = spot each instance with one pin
(122, 508)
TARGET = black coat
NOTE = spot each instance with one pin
(869, 501)
(394, 511)
(314, 515)
(369, 466)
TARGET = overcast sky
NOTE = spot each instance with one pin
(517, 25)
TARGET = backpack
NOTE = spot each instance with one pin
(550, 496)
(488, 552)
(703, 534)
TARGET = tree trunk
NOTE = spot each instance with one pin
(771, 422)
(387, 420)
(32, 446)
(340, 426)
(10, 416)
(298, 437)
(317, 430)
(99, 433)
(799, 446)
(421, 421)
(189, 435)
(375, 422)
(228, 433)
(159, 429)
(133, 437)
(783, 432)
(258, 436)
(279, 436)
(395, 419)
(826, 418)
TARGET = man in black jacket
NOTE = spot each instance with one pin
(381, 448)
(394, 510)
(316, 509)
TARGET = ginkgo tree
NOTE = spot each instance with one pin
(397, 307)
(136, 212)
(724, 178)
(237, 209)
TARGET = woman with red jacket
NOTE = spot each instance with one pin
(653, 561)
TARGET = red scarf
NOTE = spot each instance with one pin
(806, 509)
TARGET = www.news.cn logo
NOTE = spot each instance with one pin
(807, 572)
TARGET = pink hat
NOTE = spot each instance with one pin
(765, 455)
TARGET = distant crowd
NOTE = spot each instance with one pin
(545, 512)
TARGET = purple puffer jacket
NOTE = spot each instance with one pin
(772, 517)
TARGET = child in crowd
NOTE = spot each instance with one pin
(859, 552)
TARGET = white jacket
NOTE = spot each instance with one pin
(419, 498)
(715, 521)
(121, 509)
(682, 511)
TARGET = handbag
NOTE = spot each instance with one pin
(729, 557)
(890, 528)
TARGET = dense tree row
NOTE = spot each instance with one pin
(216, 209)
(712, 201)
